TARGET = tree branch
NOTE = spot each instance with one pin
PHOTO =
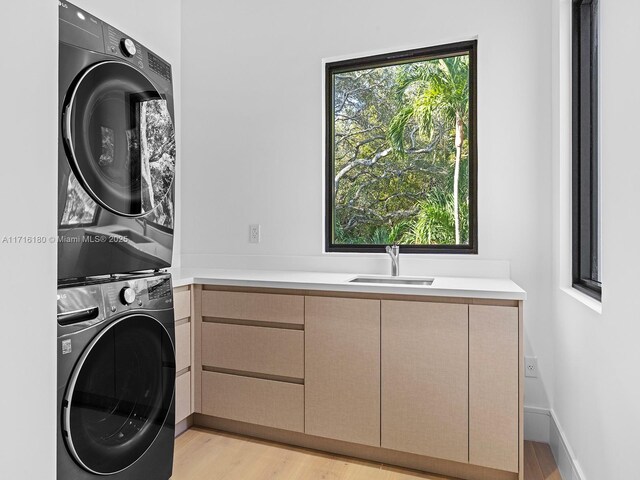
(367, 162)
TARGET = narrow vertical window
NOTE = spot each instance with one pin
(586, 161)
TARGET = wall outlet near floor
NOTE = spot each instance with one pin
(254, 233)
(531, 367)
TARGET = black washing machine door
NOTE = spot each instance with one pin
(119, 137)
(119, 395)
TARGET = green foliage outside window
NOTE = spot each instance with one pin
(401, 153)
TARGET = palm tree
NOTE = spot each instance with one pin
(439, 101)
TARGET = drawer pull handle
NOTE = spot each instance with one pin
(77, 316)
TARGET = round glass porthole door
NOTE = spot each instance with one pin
(120, 395)
(120, 138)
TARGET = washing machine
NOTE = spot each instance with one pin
(116, 153)
(116, 378)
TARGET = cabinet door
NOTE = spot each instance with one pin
(342, 369)
(493, 387)
(425, 379)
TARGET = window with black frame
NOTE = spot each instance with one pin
(586, 242)
(401, 158)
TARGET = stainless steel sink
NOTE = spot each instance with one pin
(393, 280)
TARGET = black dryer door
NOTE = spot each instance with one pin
(119, 395)
(119, 138)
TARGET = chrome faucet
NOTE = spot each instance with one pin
(394, 253)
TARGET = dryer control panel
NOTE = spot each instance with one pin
(81, 29)
(78, 27)
(119, 44)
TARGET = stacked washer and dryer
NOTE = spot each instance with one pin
(116, 163)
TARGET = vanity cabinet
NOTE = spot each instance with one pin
(342, 369)
(429, 383)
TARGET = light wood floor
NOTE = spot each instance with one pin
(210, 455)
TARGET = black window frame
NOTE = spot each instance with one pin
(396, 58)
(585, 154)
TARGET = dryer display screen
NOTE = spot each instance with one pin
(161, 68)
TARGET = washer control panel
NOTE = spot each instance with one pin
(80, 306)
(127, 295)
(159, 289)
(148, 293)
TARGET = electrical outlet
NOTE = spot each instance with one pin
(254, 233)
(531, 367)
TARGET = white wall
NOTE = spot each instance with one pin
(28, 207)
(252, 123)
(597, 385)
(28, 134)
(155, 24)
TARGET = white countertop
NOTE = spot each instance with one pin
(468, 287)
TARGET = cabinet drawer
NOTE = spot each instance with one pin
(258, 307)
(272, 351)
(253, 400)
(182, 304)
(183, 346)
(183, 396)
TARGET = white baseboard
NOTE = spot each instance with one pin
(537, 424)
(541, 425)
(565, 458)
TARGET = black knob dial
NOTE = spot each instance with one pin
(127, 295)
(128, 47)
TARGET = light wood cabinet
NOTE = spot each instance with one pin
(256, 307)
(183, 351)
(270, 351)
(432, 384)
(182, 303)
(494, 365)
(251, 358)
(342, 369)
(253, 400)
(183, 346)
(183, 397)
(425, 379)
